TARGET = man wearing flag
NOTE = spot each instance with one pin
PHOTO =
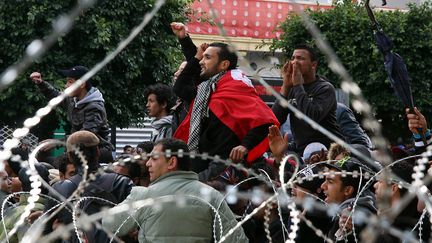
(226, 117)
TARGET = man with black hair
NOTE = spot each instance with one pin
(127, 166)
(191, 221)
(85, 107)
(160, 98)
(343, 190)
(227, 117)
(313, 95)
(397, 188)
(66, 168)
(108, 186)
(308, 185)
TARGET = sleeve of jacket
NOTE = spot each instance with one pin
(255, 136)
(50, 92)
(93, 118)
(323, 102)
(122, 187)
(127, 218)
(185, 85)
(280, 112)
(228, 223)
(350, 127)
(188, 47)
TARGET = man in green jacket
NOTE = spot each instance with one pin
(182, 208)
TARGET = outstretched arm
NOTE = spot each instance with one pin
(188, 47)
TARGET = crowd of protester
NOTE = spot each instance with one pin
(211, 110)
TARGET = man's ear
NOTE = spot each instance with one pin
(349, 191)
(314, 65)
(224, 65)
(172, 163)
(394, 189)
(83, 86)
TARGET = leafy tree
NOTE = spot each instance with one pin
(347, 28)
(151, 57)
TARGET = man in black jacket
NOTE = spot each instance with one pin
(111, 187)
(85, 106)
(312, 95)
(221, 121)
(343, 191)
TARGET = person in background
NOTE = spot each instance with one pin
(160, 99)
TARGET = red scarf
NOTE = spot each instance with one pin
(237, 105)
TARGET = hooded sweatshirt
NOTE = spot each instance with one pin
(163, 128)
(365, 204)
(86, 114)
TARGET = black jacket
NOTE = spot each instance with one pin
(317, 100)
(351, 129)
(216, 138)
(87, 114)
(109, 186)
(365, 204)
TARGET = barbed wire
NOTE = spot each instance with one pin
(359, 104)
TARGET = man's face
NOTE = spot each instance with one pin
(154, 108)
(70, 171)
(69, 82)
(380, 188)
(299, 192)
(5, 182)
(333, 189)
(128, 150)
(210, 64)
(179, 70)
(157, 164)
(303, 58)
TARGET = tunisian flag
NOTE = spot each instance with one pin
(237, 105)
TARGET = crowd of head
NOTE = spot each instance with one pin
(213, 135)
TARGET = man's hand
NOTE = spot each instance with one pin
(34, 216)
(179, 29)
(278, 144)
(51, 144)
(318, 157)
(297, 77)
(287, 78)
(238, 153)
(416, 121)
(345, 222)
(200, 51)
(36, 77)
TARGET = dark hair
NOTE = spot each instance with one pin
(226, 53)
(126, 147)
(312, 53)
(175, 145)
(355, 182)
(134, 169)
(88, 85)
(61, 163)
(146, 146)
(164, 94)
(404, 171)
(90, 154)
(25, 178)
(16, 164)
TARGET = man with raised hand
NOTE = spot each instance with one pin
(202, 215)
(313, 95)
(85, 106)
(227, 117)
